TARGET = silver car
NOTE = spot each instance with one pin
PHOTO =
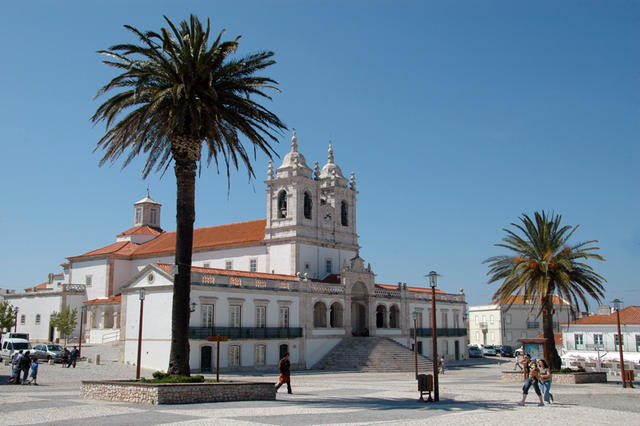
(48, 351)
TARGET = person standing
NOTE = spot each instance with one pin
(533, 378)
(545, 381)
(73, 357)
(441, 365)
(15, 367)
(284, 367)
(34, 373)
(25, 365)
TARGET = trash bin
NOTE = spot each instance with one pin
(425, 384)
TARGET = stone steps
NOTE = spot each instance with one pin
(371, 354)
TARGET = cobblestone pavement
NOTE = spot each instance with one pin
(470, 393)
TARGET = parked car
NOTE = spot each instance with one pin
(518, 352)
(506, 350)
(489, 350)
(475, 352)
(48, 351)
(13, 345)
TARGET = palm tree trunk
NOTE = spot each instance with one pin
(547, 329)
(185, 171)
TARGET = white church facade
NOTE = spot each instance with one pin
(291, 282)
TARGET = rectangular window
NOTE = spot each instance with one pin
(234, 356)
(419, 320)
(509, 336)
(138, 215)
(23, 319)
(88, 280)
(476, 317)
(615, 340)
(235, 313)
(329, 266)
(205, 265)
(637, 342)
(484, 319)
(153, 216)
(456, 320)
(578, 340)
(597, 339)
(261, 351)
(507, 319)
(261, 316)
(490, 319)
(207, 316)
(477, 336)
(228, 264)
(37, 319)
(253, 265)
(445, 320)
(283, 317)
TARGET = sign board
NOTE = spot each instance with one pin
(217, 338)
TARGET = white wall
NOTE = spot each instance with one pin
(30, 306)
(280, 259)
(97, 268)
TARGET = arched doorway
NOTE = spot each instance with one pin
(381, 316)
(359, 298)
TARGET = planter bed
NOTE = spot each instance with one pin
(560, 378)
(176, 393)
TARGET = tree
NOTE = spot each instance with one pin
(543, 265)
(7, 316)
(64, 321)
(178, 93)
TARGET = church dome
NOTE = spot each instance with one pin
(294, 158)
(330, 169)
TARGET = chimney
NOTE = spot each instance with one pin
(604, 310)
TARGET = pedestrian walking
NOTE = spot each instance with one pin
(33, 377)
(25, 365)
(15, 367)
(441, 365)
(284, 366)
(66, 357)
(518, 362)
(73, 357)
(545, 381)
(533, 379)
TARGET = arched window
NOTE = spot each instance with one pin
(381, 316)
(344, 213)
(394, 317)
(307, 205)
(282, 204)
(319, 315)
(335, 315)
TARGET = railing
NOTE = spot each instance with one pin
(382, 292)
(483, 325)
(245, 332)
(111, 337)
(533, 325)
(327, 288)
(441, 332)
(74, 288)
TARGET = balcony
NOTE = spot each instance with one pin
(441, 332)
(483, 325)
(531, 325)
(233, 333)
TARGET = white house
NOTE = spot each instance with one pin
(293, 281)
(592, 342)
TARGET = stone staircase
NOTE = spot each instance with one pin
(377, 354)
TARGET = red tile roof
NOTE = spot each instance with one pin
(414, 289)
(628, 315)
(521, 300)
(557, 337)
(232, 273)
(38, 287)
(113, 299)
(141, 230)
(203, 238)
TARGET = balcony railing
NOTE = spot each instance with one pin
(201, 333)
(483, 325)
(442, 332)
(533, 325)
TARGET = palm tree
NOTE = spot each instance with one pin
(542, 265)
(177, 92)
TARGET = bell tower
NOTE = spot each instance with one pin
(146, 212)
(310, 216)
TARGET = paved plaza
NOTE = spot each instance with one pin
(471, 393)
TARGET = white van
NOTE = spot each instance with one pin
(12, 345)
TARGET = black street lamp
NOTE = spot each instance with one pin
(82, 315)
(415, 340)
(433, 282)
(617, 303)
(141, 297)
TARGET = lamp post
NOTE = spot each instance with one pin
(82, 313)
(141, 297)
(415, 340)
(616, 304)
(433, 282)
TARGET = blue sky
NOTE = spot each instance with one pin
(456, 116)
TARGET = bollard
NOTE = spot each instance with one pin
(51, 362)
(98, 359)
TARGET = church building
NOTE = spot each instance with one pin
(292, 282)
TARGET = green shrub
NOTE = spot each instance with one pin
(160, 377)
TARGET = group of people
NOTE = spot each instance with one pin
(22, 363)
(70, 358)
(538, 375)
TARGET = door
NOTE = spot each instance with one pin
(51, 330)
(205, 359)
(457, 349)
(420, 347)
(283, 350)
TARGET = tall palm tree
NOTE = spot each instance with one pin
(543, 264)
(177, 92)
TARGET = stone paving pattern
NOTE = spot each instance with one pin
(471, 393)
